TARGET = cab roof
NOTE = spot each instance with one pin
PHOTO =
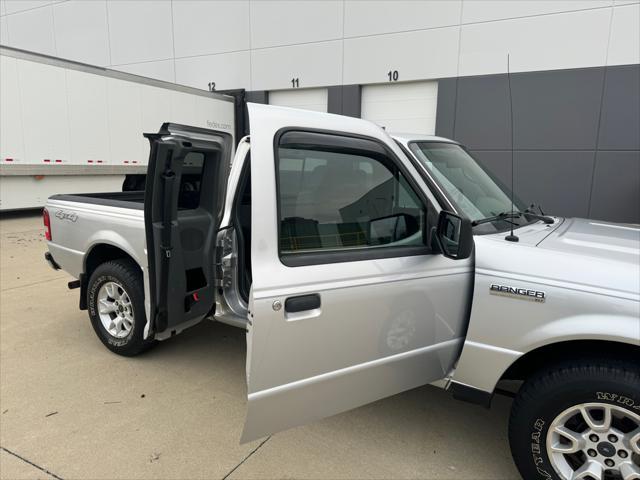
(405, 138)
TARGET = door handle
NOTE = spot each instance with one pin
(302, 303)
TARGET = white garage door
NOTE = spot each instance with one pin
(306, 99)
(402, 107)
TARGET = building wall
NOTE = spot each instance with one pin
(262, 44)
(576, 136)
(574, 64)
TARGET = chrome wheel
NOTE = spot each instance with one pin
(115, 309)
(595, 441)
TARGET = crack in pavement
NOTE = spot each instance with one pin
(12, 232)
(246, 458)
(33, 464)
(32, 283)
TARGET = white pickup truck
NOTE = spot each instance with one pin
(362, 265)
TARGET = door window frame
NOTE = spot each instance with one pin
(329, 256)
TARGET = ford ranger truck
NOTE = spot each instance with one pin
(363, 265)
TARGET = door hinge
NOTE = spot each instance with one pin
(224, 260)
(218, 274)
(224, 268)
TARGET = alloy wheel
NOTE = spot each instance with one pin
(115, 309)
(595, 441)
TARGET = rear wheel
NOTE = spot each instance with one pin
(115, 301)
(579, 421)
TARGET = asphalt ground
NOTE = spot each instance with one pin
(70, 409)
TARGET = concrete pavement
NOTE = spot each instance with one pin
(71, 409)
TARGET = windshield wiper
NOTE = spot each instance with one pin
(530, 213)
(505, 216)
(501, 216)
(544, 218)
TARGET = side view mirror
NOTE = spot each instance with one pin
(454, 235)
(391, 228)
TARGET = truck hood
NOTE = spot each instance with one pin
(592, 238)
(586, 255)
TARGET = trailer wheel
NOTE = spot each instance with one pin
(579, 420)
(115, 301)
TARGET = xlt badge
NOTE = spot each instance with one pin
(520, 293)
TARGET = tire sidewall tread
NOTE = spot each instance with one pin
(127, 274)
(547, 394)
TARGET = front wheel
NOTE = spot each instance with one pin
(115, 300)
(578, 421)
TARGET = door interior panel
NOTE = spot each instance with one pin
(183, 205)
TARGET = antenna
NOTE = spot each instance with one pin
(511, 237)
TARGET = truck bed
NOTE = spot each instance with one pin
(133, 199)
(82, 222)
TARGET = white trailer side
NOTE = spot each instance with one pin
(69, 127)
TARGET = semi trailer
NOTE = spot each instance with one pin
(67, 126)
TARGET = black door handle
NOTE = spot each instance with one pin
(302, 303)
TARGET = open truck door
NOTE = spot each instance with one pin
(184, 198)
(349, 303)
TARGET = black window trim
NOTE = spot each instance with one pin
(344, 255)
(434, 187)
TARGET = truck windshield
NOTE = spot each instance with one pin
(472, 190)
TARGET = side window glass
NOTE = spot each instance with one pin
(191, 181)
(337, 198)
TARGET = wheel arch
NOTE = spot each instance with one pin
(555, 353)
(98, 254)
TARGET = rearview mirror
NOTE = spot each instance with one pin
(392, 228)
(454, 235)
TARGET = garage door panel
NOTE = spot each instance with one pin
(410, 108)
(402, 107)
(408, 125)
(306, 99)
(399, 91)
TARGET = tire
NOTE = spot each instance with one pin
(553, 398)
(127, 338)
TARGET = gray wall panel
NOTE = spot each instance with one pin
(497, 162)
(445, 110)
(344, 100)
(351, 100)
(482, 113)
(559, 181)
(556, 110)
(334, 99)
(257, 96)
(556, 119)
(620, 122)
(616, 187)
